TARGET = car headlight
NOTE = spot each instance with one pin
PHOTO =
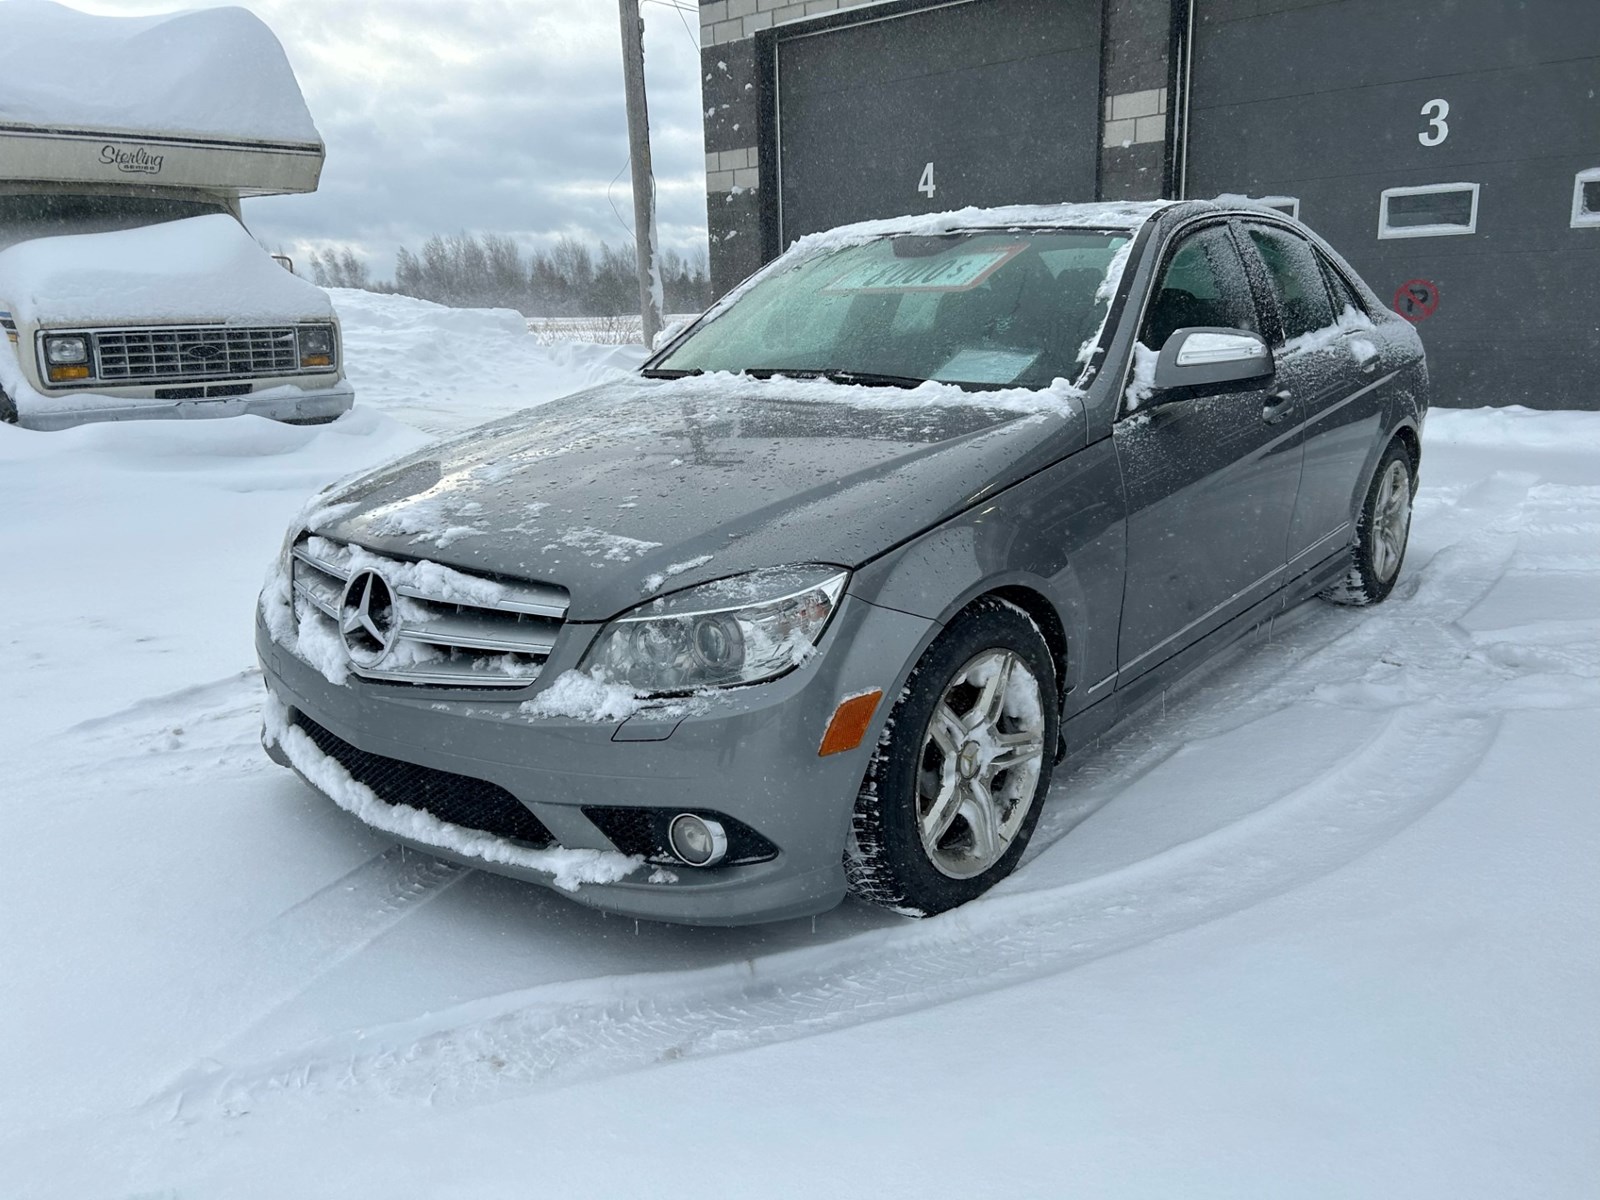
(738, 630)
(64, 351)
(317, 345)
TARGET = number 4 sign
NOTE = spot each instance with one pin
(925, 184)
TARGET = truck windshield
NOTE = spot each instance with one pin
(1013, 308)
(48, 215)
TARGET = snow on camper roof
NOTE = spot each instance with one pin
(193, 99)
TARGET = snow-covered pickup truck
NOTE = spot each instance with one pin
(129, 286)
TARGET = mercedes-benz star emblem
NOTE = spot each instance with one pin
(368, 621)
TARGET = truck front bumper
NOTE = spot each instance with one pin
(283, 403)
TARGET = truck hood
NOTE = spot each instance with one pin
(640, 487)
(199, 270)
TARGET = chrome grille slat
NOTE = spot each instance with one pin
(123, 355)
(496, 644)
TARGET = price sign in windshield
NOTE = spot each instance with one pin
(938, 273)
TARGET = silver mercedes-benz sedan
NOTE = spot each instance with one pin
(814, 603)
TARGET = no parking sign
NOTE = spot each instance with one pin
(1417, 299)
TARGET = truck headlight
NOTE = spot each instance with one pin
(318, 344)
(739, 630)
(66, 350)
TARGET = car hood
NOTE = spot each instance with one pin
(642, 486)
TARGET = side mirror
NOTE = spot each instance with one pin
(1203, 356)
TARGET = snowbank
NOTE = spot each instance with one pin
(446, 369)
(217, 73)
(198, 269)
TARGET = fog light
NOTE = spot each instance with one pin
(696, 841)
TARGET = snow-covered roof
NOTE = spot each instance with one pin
(192, 99)
(1100, 215)
(214, 73)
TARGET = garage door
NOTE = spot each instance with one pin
(982, 102)
(1446, 148)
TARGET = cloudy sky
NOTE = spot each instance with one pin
(483, 115)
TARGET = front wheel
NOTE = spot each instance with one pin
(1382, 532)
(953, 791)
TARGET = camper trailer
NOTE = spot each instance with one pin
(129, 285)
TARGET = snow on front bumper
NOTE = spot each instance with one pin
(567, 869)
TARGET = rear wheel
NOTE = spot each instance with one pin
(1382, 532)
(953, 791)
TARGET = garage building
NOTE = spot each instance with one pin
(1449, 148)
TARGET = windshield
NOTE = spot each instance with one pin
(36, 216)
(984, 310)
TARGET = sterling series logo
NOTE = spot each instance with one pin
(137, 161)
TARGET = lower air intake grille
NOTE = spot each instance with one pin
(458, 799)
(643, 831)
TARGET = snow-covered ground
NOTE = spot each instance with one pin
(1329, 925)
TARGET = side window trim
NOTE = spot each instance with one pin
(1317, 257)
(1262, 291)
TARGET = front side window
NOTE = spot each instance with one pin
(1204, 284)
(1291, 262)
(1014, 308)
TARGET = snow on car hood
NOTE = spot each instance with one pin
(201, 269)
(640, 486)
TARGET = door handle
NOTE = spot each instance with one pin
(1277, 407)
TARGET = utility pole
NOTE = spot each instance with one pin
(644, 182)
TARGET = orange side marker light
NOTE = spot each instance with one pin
(849, 724)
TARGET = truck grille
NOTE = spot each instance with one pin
(449, 629)
(202, 352)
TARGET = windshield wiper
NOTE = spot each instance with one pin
(838, 375)
(669, 373)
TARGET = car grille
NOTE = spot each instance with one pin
(444, 639)
(202, 352)
(457, 799)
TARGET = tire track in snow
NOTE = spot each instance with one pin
(562, 1034)
(1412, 659)
(279, 962)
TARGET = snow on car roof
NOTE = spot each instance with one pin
(214, 73)
(1117, 215)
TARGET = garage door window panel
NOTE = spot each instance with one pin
(1586, 199)
(1434, 210)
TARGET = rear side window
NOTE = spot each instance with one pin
(1204, 284)
(1344, 296)
(1303, 303)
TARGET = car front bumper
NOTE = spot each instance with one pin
(287, 402)
(750, 754)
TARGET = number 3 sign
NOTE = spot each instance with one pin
(1438, 128)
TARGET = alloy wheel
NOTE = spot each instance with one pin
(979, 770)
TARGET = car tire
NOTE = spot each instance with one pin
(1382, 531)
(947, 807)
(8, 409)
